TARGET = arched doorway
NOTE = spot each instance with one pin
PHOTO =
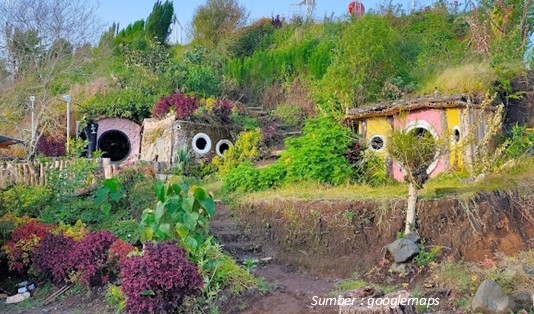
(115, 145)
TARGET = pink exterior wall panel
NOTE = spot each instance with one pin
(433, 118)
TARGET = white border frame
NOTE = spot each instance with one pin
(218, 146)
(425, 125)
(371, 139)
(208, 143)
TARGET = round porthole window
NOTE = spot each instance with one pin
(376, 143)
(115, 145)
(222, 146)
(201, 143)
(456, 135)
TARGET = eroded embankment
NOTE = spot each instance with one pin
(336, 238)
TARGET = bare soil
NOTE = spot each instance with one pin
(333, 239)
(292, 292)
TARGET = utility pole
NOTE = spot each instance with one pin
(67, 98)
(32, 99)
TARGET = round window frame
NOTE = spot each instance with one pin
(206, 149)
(218, 147)
(370, 146)
(422, 124)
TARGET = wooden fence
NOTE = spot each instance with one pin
(35, 172)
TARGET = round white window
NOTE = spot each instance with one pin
(201, 143)
(222, 146)
(376, 143)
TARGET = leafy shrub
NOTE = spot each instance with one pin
(319, 154)
(25, 200)
(291, 115)
(25, 239)
(52, 256)
(8, 223)
(112, 191)
(242, 178)
(271, 176)
(158, 281)
(118, 253)
(89, 258)
(245, 148)
(50, 147)
(76, 231)
(126, 230)
(183, 105)
(70, 211)
(181, 214)
(115, 298)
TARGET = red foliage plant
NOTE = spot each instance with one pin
(185, 106)
(52, 256)
(89, 257)
(24, 241)
(50, 147)
(158, 281)
(118, 253)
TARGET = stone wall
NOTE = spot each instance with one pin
(162, 140)
(184, 133)
(157, 141)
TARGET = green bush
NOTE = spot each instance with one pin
(291, 115)
(245, 148)
(319, 154)
(24, 201)
(243, 178)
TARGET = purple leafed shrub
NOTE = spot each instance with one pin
(50, 147)
(158, 281)
(52, 256)
(90, 255)
(185, 106)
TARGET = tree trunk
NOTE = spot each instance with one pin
(410, 213)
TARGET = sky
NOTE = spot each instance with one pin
(128, 11)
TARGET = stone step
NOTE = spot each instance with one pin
(222, 225)
(255, 108)
(229, 236)
(241, 248)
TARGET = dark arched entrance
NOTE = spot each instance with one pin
(115, 145)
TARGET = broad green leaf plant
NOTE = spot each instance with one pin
(181, 214)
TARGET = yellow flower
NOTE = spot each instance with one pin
(474, 277)
(404, 284)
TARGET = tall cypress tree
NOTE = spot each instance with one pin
(159, 21)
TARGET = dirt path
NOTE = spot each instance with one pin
(293, 292)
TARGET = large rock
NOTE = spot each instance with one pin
(369, 301)
(490, 299)
(403, 250)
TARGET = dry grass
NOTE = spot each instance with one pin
(307, 191)
(472, 78)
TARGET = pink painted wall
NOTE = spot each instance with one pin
(432, 117)
(131, 129)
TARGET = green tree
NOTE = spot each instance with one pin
(216, 21)
(159, 21)
(414, 150)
